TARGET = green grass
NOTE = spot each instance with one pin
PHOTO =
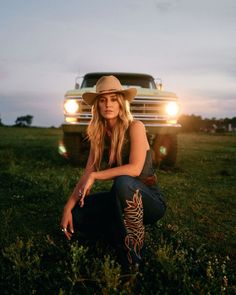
(192, 250)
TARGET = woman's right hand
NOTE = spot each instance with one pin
(67, 220)
(67, 223)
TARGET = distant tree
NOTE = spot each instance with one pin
(1, 124)
(233, 121)
(191, 123)
(24, 121)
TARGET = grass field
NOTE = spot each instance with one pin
(192, 250)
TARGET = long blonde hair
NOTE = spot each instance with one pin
(97, 131)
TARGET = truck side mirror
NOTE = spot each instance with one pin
(159, 85)
(77, 85)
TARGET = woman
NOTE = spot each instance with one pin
(120, 152)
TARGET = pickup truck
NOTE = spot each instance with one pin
(156, 108)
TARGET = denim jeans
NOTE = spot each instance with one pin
(121, 213)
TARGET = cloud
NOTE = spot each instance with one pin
(209, 103)
(218, 95)
(46, 44)
(164, 6)
(203, 62)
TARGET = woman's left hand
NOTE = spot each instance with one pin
(87, 187)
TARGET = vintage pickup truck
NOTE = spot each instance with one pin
(157, 109)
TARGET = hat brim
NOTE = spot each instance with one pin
(90, 97)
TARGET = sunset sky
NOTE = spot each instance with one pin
(45, 44)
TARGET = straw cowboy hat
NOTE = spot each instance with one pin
(109, 84)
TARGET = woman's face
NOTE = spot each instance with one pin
(109, 106)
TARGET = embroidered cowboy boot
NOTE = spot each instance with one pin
(133, 220)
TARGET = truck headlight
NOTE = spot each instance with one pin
(172, 108)
(71, 106)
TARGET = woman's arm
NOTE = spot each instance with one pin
(80, 185)
(66, 221)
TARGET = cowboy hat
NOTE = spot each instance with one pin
(108, 84)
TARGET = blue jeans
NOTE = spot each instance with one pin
(121, 213)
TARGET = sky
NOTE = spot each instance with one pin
(46, 44)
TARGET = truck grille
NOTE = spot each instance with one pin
(148, 110)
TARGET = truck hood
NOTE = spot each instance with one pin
(142, 92)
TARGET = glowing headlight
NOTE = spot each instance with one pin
(172, 108)
(71, 106)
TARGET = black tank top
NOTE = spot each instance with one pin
(147, 167)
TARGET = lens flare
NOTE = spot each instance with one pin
(163, 150)
(71, 106)
(172, 108)
(62, 150)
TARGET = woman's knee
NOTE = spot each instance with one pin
(125, 187)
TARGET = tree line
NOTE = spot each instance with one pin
(189, 123)
(22, 121)
(193, 123)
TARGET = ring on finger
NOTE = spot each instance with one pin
(64, 229)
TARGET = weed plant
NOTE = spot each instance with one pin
(190, 251)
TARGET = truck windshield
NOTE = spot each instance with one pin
(127, 80)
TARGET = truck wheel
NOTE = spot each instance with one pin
(165, 150)
(76, 147)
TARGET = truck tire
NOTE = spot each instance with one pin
(77, 148)
(164, 150)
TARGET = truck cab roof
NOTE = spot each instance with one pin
(126, 79)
